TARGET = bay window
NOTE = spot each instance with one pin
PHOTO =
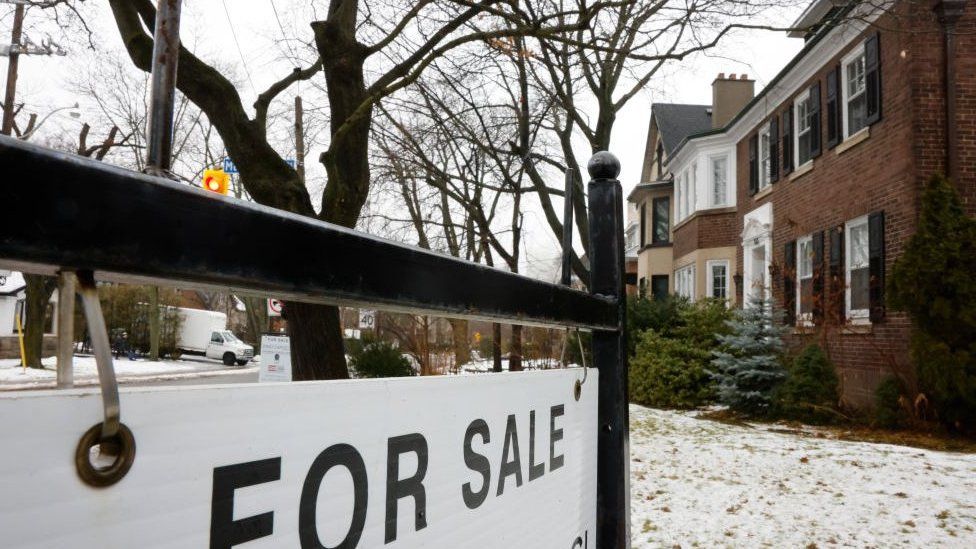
(718, 279)
(720, 179)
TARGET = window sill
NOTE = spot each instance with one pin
(653, 245)
(857, 326)
(763, 193)
(802, 170)
(853, 140)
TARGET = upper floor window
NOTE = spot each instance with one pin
(720, 179)
(803, 135)
(855, 92)
(679, 198)
(660, 159)
(858, 272)
(661, 222)
(718, 279)
(765, 158)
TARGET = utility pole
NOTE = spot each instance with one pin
(11, 93)
(166, 54)
(299, 139)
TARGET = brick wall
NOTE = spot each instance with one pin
(706, 229)
(884, 172)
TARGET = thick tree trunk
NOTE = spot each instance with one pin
(496, 347)
(39, 290)
(317, 350)
(515, 350)
(462, 346)
(256, 312)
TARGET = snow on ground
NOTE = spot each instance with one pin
(700, 483)
(484, 366)
(12, 376)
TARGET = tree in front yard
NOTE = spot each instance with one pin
(748, 370)
(933, 282)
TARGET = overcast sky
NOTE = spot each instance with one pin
(42, 82)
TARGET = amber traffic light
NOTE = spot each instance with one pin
(216, 181)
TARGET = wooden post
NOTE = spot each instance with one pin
(66, 329)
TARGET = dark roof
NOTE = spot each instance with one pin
(675, 122)
(831, 20)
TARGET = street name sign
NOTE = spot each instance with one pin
(500, 461)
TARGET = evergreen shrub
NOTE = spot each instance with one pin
(809, 392)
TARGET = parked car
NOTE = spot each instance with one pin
(224, 345)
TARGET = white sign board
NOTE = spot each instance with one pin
(274, 307)
(435, 462)
(367, 319)
(275, 358)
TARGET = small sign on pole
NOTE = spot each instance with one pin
(275, 358)
(229, 166)
(367, 319)
(274, 307)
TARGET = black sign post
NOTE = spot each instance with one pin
(610, 353)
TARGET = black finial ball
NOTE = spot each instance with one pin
(603, 165)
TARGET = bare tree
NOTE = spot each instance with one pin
(365, 56)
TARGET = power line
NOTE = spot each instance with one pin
(238, 44)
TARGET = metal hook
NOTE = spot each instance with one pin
(112, 437)
(578, 388)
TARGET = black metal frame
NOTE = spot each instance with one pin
(67, 212)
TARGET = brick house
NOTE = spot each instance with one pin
(830, 159)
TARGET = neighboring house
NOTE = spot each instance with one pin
(830, 160)
(651, 201)
(13, 292)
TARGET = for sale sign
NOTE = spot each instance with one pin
(501, 461)
(275, 358)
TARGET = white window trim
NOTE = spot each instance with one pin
(711, 179)
(802, 319)
(802, 98)
(765, 172)
(845, 61)
(710, 282)
(856, 316)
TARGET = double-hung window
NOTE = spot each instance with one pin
(801, 117)
(679, 198)
(855, 93)
(684, 282)
(719, 179)
(804, 280)
(718, 279)
(765, 158)
(857, 269)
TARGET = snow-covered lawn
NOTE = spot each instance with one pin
(699, 483)
(12, 376)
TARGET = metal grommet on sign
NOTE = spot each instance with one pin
(111, 437)
(121, 448)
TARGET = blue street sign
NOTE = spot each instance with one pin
(229, 166)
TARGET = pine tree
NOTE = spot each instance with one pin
(748, 369)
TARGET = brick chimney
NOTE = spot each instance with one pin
(729, 95)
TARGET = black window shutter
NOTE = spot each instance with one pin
(876, 263)
(814, 117)
(788, 141)
(753, 165)
(872, 77)
(818, 278)
(837, 287)
(833, 107)
(774, 150)
(789, 282)
(643, 224)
